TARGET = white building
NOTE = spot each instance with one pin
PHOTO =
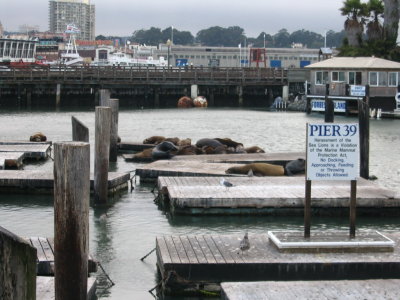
(81, 13)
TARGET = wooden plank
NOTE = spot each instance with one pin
(214, 249)
(32, 150)
(197, 249)
(205, 249)
(188, 249)
(180, 249)
(163, 250)
(172, 250)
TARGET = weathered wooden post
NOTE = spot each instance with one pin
(17, 267)
(114, 105)
(329, 106)
(80, 133)
(104, 97)
(102, 153)
(363, 120)
(58, 95)
(71, 219)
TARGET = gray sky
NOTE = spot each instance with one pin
(122, 17)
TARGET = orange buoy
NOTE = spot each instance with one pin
(200, 101)
(185, 102)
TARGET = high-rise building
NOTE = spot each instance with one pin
(80, 13)
(1, 30)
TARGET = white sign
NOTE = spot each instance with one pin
(332, 151)
(319, 105)
(357, 90)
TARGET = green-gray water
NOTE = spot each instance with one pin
(133, 221)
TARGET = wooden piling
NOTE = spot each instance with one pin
(307, 210)
(363, 119)
(58, 95)
(17, 267)
(329, 106)
(102, 153)
(353, 206)
(104, 97)
(71, 219)
(114, 105)
(80, 133)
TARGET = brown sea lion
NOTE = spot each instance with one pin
(164, 150)
(258, 169)
(254, 149)
(189, 150)
(173, 140)
(211, 150)
(154, 140)
(146, 153)
(228, 142)
(38, 137)
(185, 142)
(208, 142)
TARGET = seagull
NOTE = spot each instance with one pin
(250, 173)
(225, 183)
(244, 244)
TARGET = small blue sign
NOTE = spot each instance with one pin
(181, 62)
(244, 61)
(274, 63)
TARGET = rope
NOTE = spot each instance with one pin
(108, 277)
(148, 254)
(131, 179)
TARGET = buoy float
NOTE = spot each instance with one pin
(200, 101)
(185, 102)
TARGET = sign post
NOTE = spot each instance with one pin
(332, 154)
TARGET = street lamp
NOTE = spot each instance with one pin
(169, 48)
(172, 35)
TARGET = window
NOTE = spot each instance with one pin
(337, 76)
(355, 78)
(321, 77)
(373, 78)
(382, 79)
(393, 78)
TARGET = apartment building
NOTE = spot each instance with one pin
(81, 13)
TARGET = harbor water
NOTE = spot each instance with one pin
(126, 230)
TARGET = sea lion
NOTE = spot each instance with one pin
(254, 149)
(228, 142)
(295, 167)
(163, 150)
(154, 140)
(185, 142)
(258, 169)
(173, 140)
(208, 142)
(38, 137)
(146, 153)
(189, 150)
(217, 150)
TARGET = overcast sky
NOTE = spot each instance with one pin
(122, 17)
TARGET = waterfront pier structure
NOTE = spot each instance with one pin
(154, 86)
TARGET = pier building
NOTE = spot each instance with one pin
(79, 12)
(17, 49)
(347, 76)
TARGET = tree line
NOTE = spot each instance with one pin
(371, 28)
(233, 36)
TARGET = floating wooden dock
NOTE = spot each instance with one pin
(22, 180)
(305, 290)
(189, 263)
(134, 146)
(45, 288)
(31, 150)
(45, 256)
(281, 195)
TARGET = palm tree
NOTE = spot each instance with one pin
(354, 24)
(391, 21)
(374, 27)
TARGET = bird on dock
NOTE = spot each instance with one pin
(244, 243)
(250, 173)
(226, 183)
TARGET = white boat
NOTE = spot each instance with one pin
(121, 59)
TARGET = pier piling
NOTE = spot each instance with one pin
(80, 133)
(329, 106)
(71, 219)
(102, 153)
(104, 97)
(114, 105)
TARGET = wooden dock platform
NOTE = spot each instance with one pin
(272, 195)
(45, 288)
(31, 150)
(134, 146)
(36, 180)
(191, 262)
(304, 290)
(45, 256)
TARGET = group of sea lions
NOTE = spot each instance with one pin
(167, 147)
